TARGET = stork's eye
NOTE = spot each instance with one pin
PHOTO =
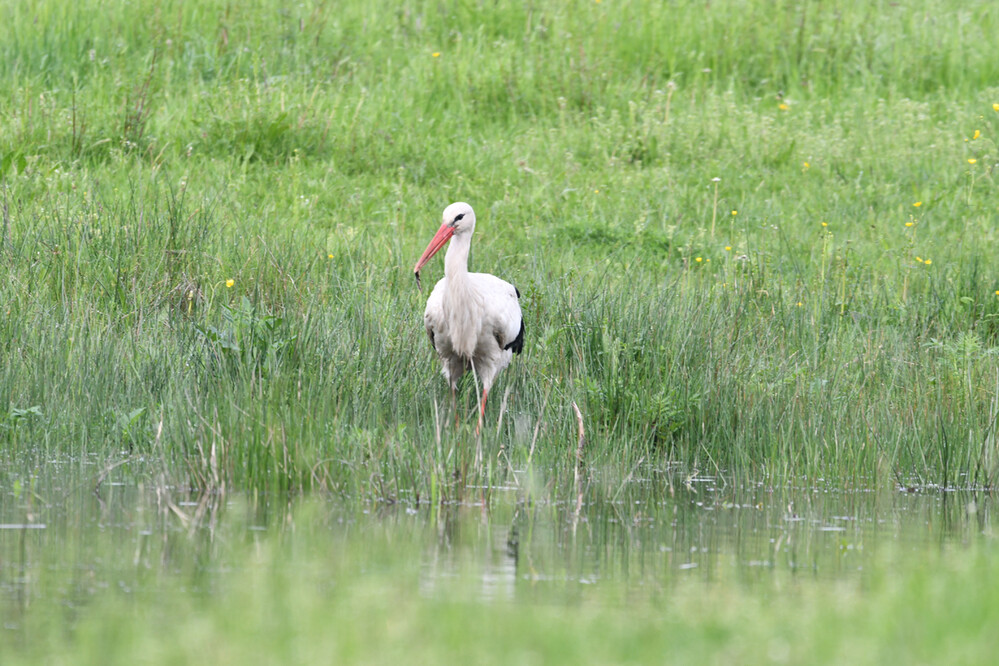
(458, 216)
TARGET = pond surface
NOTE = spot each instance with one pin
(65, 544)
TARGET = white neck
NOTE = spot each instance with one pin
(456, 259)
(462, 302)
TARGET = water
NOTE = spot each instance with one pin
(66, 544)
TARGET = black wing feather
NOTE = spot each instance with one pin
(517, 344)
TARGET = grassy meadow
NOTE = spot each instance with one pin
(754, 240)
(211, 212)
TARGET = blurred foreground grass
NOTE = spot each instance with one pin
(306, 587)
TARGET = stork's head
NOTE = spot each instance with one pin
(459, 220)
(460, 217)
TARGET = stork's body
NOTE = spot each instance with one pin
(473, 319)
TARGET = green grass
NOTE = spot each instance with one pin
(713, 626)
(209, 214)
(150, 152)
(208, 218)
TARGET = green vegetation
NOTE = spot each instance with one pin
(153, 152)
(320, 584)
(755, 240)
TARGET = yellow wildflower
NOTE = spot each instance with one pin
(978, 133)
(735, 212)
(995, 107)
(728, 248)
(928, 262)
(329, 256)
(698, 259)
(229, 283)
(806, 165)
(825, 224)
(971, 160)
(918, 204)
(435, 54)
(783, 107)
(908, 224)
(800, 304)
(919, 259)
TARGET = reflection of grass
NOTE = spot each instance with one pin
(207, 236)
(398, 589)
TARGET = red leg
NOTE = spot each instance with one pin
(482, 411)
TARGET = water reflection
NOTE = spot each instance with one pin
(472, 543)
(60, 539)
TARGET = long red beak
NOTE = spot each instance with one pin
(439, 240)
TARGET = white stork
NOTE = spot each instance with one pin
(473, 319)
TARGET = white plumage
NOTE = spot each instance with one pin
(473, 319)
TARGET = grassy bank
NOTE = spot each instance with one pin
(211, 214)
